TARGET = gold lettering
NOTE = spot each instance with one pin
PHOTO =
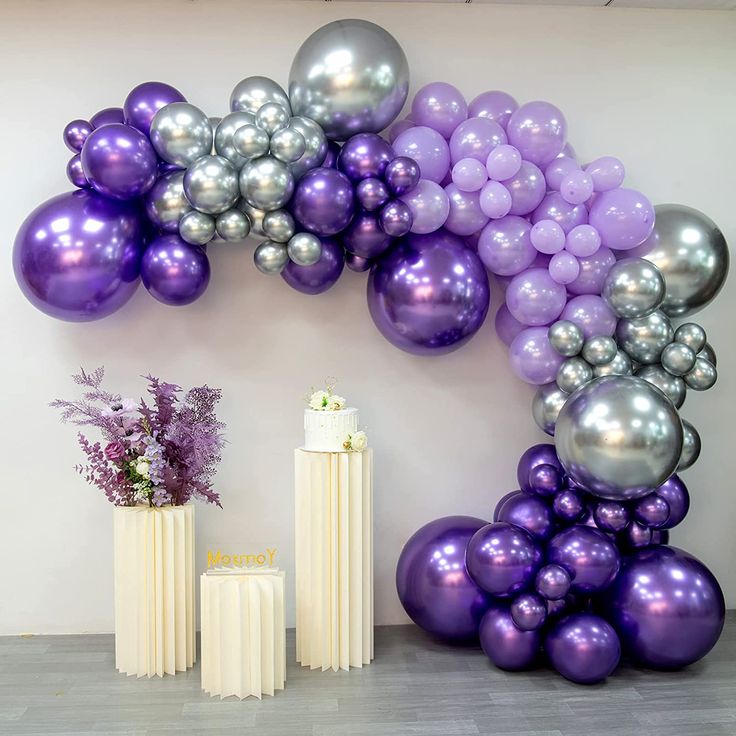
(271, 554)
(261, 559)
(213, 560)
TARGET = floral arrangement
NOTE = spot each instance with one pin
(356, 442)
(160, 453)
(326, 400)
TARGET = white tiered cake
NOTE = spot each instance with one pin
(327, 431)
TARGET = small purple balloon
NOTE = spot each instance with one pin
(107, 116)
(495, 200)
(323, 202)
(591, 314)
(469, 175)
(611, 516)
(606, 172)
(539, 130)
(505, 245)
(593, 272)
(503, 163)
(548, 237)
(364, 156)
(558, 169)
(145, 100)
(533, 358)
(429, 206)
(465, 216)
(372, 194)
(526, 188)
(428, 148)
(396, 219)
(440, 106)
(576, 187)
(528, 512)
(494, 104)
(76, 133)
(652, 510)
(357, 263)
(529, 611)
(364, 236)
(566, 215)
(545, 480)
(119, 161)
(402, 175)
(583, 241)
(534, 298)
(675, 492)
(75, 172)
(541, 454)
(174, 271)
(623, 217)
(507, 326)
(635, 536)
(569, 505)
(564, 268)
(552, 582)
(475, 138)
(505, 644)
(320, 276)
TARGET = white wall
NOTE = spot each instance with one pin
(653, 87)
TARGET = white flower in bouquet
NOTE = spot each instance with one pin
(335, 403)
(143, 467)
(319, 400)
(356, 442)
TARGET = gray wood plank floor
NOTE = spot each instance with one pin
(415, 687)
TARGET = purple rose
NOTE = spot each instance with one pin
(114, 451)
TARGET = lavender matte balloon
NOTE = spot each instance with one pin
(494, 104)
(364, 156)
(439, 106)
(505, 644)
(564, 268)
(396, 219)
(469, 175)
(145, 100)
(320, 276)
(566, 215)
(503, 162)
(533, 358)
(505, 245)
(106, 116)
(530, 513)
(323, 201)
(476, 138)
(428, 148)
(590, 557)
(429, 294)
(465, 216)
(539, 130)
(402, 175)
(583, 241)
(591, 314)
(433, 586)
(558, 169)
(623, 217)
(607, 173)
(593, 272)
(507, 326)
(429, 206)
(174, 271)
(364, 236)
(77, 256)
(534, 298)
(526, 188)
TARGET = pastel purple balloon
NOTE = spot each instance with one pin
(175, 272)
(675, 492)
(320, 276)
(593, 272)
(552, 582)
(476, 138)
(542, 454)
(583, 241)
(75, 172)
(548, 237)
(527, 189)
(576, 187)
(539, 130)
(568, 505)
(532, 357)
(591, 314)
(398, 128)
(364, 236)
(77, 256)
(428, 148)
(503, 162)
(402, 175)
(566, 215)
(564, 268)
(623, 217)
(558, 169)
(75, 134)
(119, 161)
(590, 557)
(469, 175)
(364, 156)
(534, 298)
(505, 644)
(145, 100)
(106, 116)
(323, 202)
(429, 206)
(507, 326)
(494, 104)
(505, 245)
(357, 263)
(530, 513)
(396, 219)
(611, 516)
(607, 173)
(495, 200)
(529, 611)
(465, 216)
(439, 106)
(372, 194)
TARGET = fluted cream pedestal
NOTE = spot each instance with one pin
(154, 589)
(334, 559)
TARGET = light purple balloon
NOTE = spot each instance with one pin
(439, 106)
(548, 237)
(591, 314)
(566, 215)
(623, 217)
(465, 216)
(476, 138)
(532, 357)
(145, 100)
(534, 298)
(494, 104)
(398, 128)
(576, 187)
(607, 173)
(558, 169)
(507, 328)
(538, 129)
(429, 206)
(583, 241)
(428, 148)
(593, 272)
(469, 175)
(564, 267)
(503, 162)
(527, 189)
(395, 218)
(495, 199)
(505, 246)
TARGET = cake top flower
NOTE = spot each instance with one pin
(326, 400)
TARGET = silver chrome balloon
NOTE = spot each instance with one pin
(546, 406)
(272, 117)
(599, 350)
(224, 136)
(619, 437)
(288, 145)
(573, 374)
(633, 288)
(250, 142)
(692, 335)
(197, 228)
(211, 185)
(232, 225)
(702, 376)
(619, 366)
(266, 183)
(566, 337)
(709, 354)
(673, 387)
(304, 249)
(692, 254)
(678, 359)
(214, 122)
(253, 92)
(350, 76)
(270, 257)
(278, 225)
(166, 203)
(316, 146)
(181, 133)
(690, 446)
(645, 338)
(254, 215)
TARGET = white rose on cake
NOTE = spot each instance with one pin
(335, 403)
(319, 400)
(356, 442)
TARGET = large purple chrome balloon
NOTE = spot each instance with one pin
(667, 607)
(433, 585)
(364, 156)
(504, 643)
(320, 276)
(323, 201)
(429, 294)
(174, 271)
(77, 256)
(145, 100)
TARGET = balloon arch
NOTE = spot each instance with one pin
(575, 563)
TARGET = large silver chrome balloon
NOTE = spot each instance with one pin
(181, 133)
(572, 374)
(253, 92)
(673, 387)
(633, 288)
(619, 437)
(232, 225)
(678, 359)
(702, 376)
(166, 203)
(546, 406)
(305, 249)
(566, 337)
(315, 146)
(690, 446)
(692, 254)
(599, 350)
(211, 185)
(645, 338)
(266, 183)
(224, 136)
(619, 366)
(254, 215)
(270, 257)
(278, 225)
(197, 228)
(249, 142)
(692, 335)
(288, 145)
(350, 76)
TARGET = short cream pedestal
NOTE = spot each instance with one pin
(334, 559)
(154, 590)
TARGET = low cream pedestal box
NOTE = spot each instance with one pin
(154, 589)
(334, 559)
(243, 632)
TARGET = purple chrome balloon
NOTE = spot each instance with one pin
(545, 480)
(505, 246)
(333, 151)
(358, 264)
(539, 130)
(465, 216)
(675, 492)
(433, 586)
(396, 219)
(76, 133)
(505, 644)
(533, 358)
(320, 276)
(402, 175)
(175, 272)
(611, 516)
(541, 454)
(364, 236)
(529, 611)
(652, 510)
(593, 272)
(107, 116)
(77, 256)
(552, 582)
(635, 536)
(569, 505)
(428, 148)
(494, 104)
(528, 512)
(323, 201)
(507, 326)
(440, 106)
(526, 188)
(75, 172)
(145, 100)
(667, 607)
(502, 501)
(364, 156)
(429, 294)
(372, 194)
(475, 138)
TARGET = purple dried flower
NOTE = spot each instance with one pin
(114, 451)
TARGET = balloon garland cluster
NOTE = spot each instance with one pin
(575, 562)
